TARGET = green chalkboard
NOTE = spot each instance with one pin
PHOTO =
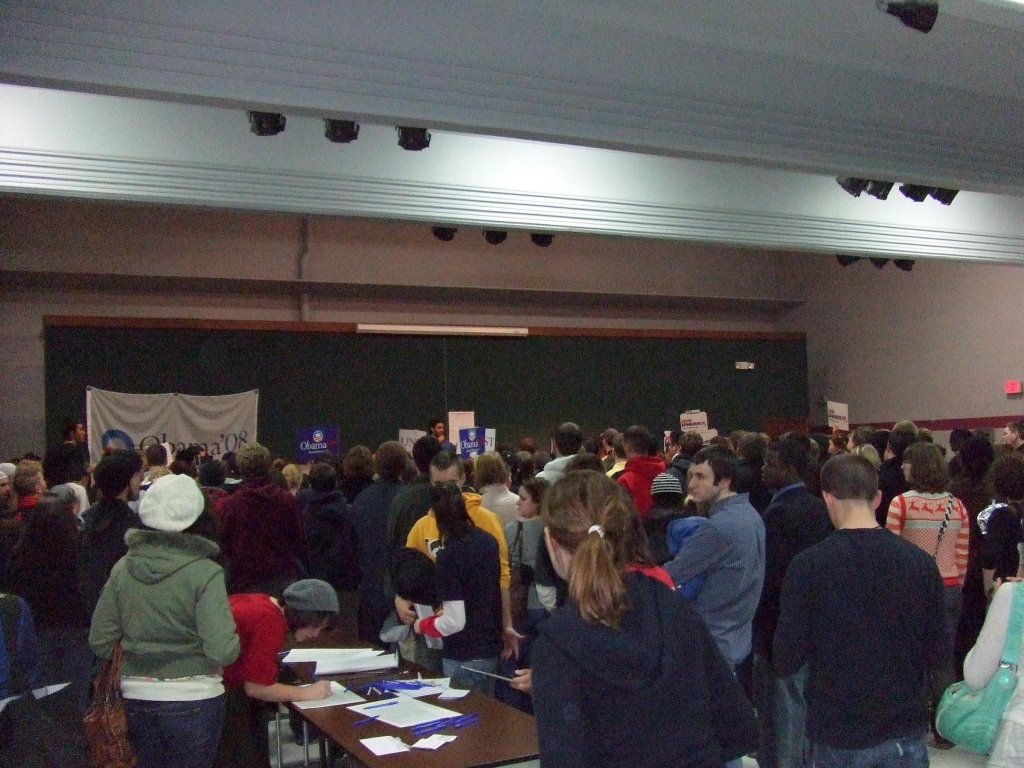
(373, 385)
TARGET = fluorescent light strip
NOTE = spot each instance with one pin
(442, 330)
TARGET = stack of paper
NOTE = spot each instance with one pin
(433, 742)
(403, 712)
(385, 745)
(336, 661)
(339, 695)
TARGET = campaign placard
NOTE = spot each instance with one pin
(408, 438)
(316, 440)
(839, 416)
(472, 442)
(693, 421)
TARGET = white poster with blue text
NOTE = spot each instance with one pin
(218, 423)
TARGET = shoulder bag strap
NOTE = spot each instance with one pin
(1011, 648)
(518, 541)
(945, 523)
(10, 620)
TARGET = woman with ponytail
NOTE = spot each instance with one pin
(468, 587)
(626, 673)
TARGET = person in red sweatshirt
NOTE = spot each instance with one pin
(641, 467)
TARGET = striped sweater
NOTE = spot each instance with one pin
(917, 517)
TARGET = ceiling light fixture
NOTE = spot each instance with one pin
(879, 263)
(845, 261)
(915, 192)
(853, 185)
(905, 264)
(495, 236)
(540, 240)
(944, 196)
(266, 123)
(341, 131)
(413, 139)
(879, 189)
(919, 15)
(446, 234)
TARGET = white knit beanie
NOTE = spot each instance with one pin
(172, 504)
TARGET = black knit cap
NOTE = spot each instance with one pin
(413, 576)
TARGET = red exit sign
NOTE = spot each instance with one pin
(1012, 387)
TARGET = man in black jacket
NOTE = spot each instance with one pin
(794, 520)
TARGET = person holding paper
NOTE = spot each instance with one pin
(468, 567)
(626, 672)
(307, 608)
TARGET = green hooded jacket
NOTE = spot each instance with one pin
(167, 604)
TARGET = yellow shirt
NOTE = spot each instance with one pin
(424, 535)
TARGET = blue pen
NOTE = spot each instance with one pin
(365, 720)
(382, 704)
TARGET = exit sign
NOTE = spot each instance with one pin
(1012, 387)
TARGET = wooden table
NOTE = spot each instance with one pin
(504, 735)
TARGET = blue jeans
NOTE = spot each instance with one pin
(460, 678)
(781, 712)
(898, 753)
(175, 734)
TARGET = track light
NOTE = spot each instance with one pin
(853, 186)
(266, 123)
(905, 264)
(915, 192)
(543, 241)
(916, 14)
(495, 236)
(341, 131)
(413, 139)
(944, 196)
(845, 261)
(879, 189)
(446, 234)
(879, 263)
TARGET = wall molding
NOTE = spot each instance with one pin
(125, 179)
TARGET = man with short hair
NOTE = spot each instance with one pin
(619, 450)
(29, 485)
(567, 441)
(641, 467)
(262, 536)
(729, 549)
(864, 611)
(1013, 435)
(6, 496)
(436, 430)
(794, 520)
(687, 445)
(424, 536)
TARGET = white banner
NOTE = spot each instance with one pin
(219, 423)
(408, 438)
(839, 415)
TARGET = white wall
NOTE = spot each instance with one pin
(935, 343)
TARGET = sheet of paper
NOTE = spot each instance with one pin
(419, 693)
(316, 654)
(403, 712)
(433, 742)
(452, 693)
(385, 745)
(339, 695)
(337, 666)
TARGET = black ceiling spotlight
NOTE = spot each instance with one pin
(266, 123)
(543, 241)
(446, 234)
(845, 261)
(916, 14)
(341, 131)
(853, 186)
(905, 264)
(879, 263)
(915, 192)
(944, 196)
(495, 236)
(413, 139)
(879, 189)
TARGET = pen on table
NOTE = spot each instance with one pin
(366, 720)
(382, 704)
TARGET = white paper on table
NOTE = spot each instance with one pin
(385, 745)
(339, 695)
(403, 712)
(298, 655)
(364, 663)
(433, 742)
(419, 693)
(452, 693)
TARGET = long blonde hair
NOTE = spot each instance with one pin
(571, 507)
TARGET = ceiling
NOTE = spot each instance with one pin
(835, 88)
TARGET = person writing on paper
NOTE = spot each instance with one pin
(467, 586)
(625, 673)
(307, 608)
(981, 664)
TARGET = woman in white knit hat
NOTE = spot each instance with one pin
(166, 603)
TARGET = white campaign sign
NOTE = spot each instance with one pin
(839, 415)
(219, 423)
(408, 438)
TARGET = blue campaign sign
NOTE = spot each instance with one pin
(316, 440)
(472, 442)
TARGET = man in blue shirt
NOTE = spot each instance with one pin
(729, 550)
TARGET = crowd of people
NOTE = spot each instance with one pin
(804, 598)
